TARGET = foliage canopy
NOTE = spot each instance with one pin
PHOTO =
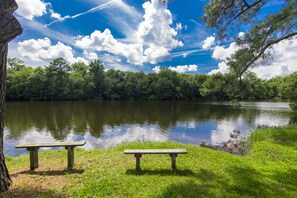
(227, 16)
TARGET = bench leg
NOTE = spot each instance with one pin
(33, 158)
(70, 153)
(173, 161)
(138, 156)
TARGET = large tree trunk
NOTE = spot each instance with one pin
(9, 29)
(4, 179)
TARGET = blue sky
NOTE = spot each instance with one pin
(131, 35)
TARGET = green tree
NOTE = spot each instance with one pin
(57, 79)
(263, 32)
(78, 82)
(213, 87)
(15, 63)
(96, 69)
(38, 84)
(19, 83)
(114, 85)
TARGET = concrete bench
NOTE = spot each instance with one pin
(33, 148)
(172, 152)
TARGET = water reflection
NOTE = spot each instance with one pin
(107, 124)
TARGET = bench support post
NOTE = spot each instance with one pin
(173, 160)
(138, 156)
(33, 157)
(70, 153)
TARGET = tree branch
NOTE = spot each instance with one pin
(246, 66)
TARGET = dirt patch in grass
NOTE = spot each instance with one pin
(46, 181)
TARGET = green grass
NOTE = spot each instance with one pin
(269, 170)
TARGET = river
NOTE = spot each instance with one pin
(107, 124)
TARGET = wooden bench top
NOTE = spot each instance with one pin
(51, 144)
(155, 151)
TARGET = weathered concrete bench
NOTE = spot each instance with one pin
(172, 152)
(33, 148)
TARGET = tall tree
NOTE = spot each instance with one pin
(96, 69)
(262, 32)
(9, 29)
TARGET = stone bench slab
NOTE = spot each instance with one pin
(155, 151)
(139, 152)
(51, 144)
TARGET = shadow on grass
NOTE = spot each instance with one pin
(188, 189)
(49, 173)
(31, 193)
(163, 172)
(288, 179)
(245, 180)
(239, 181)
(203, 174)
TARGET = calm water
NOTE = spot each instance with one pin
(107, 124)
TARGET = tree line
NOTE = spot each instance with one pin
(63, 81)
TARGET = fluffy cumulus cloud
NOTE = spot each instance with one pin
(222, 68)
(208, 42)
(90, 55)
(179, 68)
(154, 37)
(104, 41)
(43, 50)
(184, 68)
(155, 29)
(30, 9)
(283, 60)
(222, 53)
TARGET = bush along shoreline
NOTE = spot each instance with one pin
(269, 169)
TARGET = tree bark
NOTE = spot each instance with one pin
(4, 179)
(9, 29)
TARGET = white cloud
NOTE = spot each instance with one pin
(43, 50)
(155, 29)
(56, 15)
(115, 62)
(94, 9)
(222, 53)
(90, 55)
(179, 68)
(283, 61)
(184, 68)
(284, 58)
(30, 9)
(156, 69)
(240, 34)
(104, 41)
(154, 38)
(155, 53)
(222, 68)
(186, 53)
(178, 27)
(208, 42)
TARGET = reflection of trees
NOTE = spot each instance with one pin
(60, 118)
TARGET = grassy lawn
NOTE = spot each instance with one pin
(269, 170)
